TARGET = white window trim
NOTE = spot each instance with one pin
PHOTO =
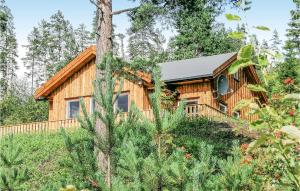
(92, 110)
(190, 100)
(238, 113)
(225, 106)
(116, 102)
(236, 76)
(68, 107)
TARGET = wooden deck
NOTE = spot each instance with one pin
(52, 126)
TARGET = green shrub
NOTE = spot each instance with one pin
(190, 132)
(43, 155)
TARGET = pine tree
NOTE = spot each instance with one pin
(145, 42)
(292, 45)
(8, 50)
(11, 172)
(62, 45)
(276, 42)
(291, 66)
(83, 37)
(32, 59)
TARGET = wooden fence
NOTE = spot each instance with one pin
(45, 126)
(52, 126)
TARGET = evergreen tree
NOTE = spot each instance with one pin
(198, 32)
(11, 172)
(8, 50)
(83, 37)
(289, 69)
(145, 42)
(292, 45)
(62, 45)
(32, 59)
(276, 42)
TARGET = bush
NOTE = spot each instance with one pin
(43, 155)
(192, 131)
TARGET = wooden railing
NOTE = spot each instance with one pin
(205, 111)
(45, 126)
(52, 126)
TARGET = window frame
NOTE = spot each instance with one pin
(92, 103)
(116, 103)
(236, 76)
(225, 106)
(68, 116)
(238, 114)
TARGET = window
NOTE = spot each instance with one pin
(73, 107)
(191, 106)
(122, 102)
(236, 76)
(223, 107)
(236, 114)
(92, 105)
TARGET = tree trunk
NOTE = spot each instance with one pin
(103, 46)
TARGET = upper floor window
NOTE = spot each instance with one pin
(236, 76)
(236, 114)
(223, 107)
(122, 102)
(73, 108)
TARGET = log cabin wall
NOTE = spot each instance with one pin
(237, 91)
(80, 85)
(200, 91)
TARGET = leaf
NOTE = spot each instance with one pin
(246, 52)
(263, 60)
(293, 96)
(292, 132)
(231, 17)
(262, 28)
(236, 35)
(242, 104)
(255, 144)
(239, 64)
(256, 88)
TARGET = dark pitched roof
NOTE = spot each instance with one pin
(193, 68)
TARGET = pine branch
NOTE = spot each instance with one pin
(124, 10)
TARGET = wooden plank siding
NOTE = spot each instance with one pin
(80, 84)
(237, 91)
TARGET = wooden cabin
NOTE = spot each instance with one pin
(198, 81)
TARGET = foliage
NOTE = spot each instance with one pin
(11, 171)
(44, 155)
(278, 124)
(18, 109)
(8, 50)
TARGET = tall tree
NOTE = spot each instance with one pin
(83, 37)
(32, 59)
(292, 45)
(8, 50)
(198, 32)
(145, 42)
(276, 42)
(289, 69)
(62, 45)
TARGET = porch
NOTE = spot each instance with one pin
(52, 126)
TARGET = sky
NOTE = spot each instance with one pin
(28, 13)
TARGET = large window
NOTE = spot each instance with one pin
(122, 102)
(191, 106)
(73, 108)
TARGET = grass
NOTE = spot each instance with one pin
(43, 155)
